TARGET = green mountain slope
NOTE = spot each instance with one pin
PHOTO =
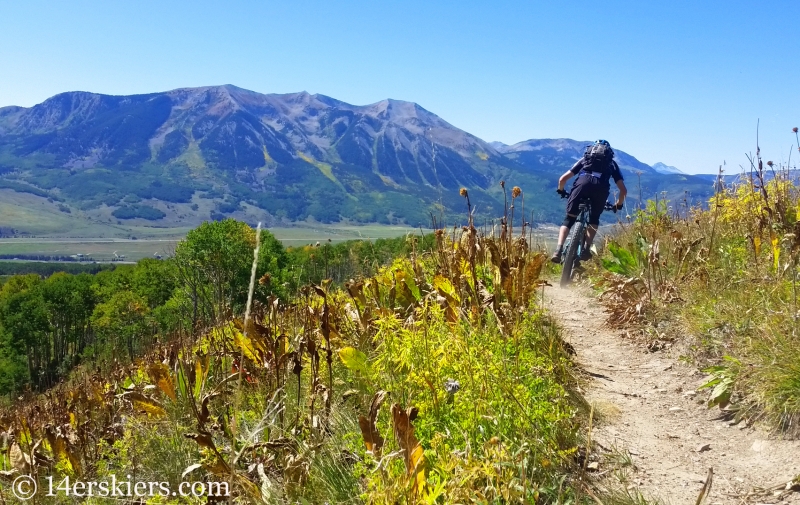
(176, 158)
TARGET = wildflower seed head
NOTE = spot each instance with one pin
(794, 129)
(515, 192)
(769, 163)
(503, 184)
(463, 192)
(451, 386)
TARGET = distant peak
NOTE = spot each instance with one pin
(72, 95)
(398, 110)
(540, 144)
(663, 168)
(391, 102)
(328, 100)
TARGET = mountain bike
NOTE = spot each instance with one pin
(576, 241)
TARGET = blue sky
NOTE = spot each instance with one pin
(682, 82)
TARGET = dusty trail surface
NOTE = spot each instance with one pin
(648, 405)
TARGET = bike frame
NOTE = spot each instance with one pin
(571, 253)
(584, 211)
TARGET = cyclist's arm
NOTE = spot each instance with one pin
(562, 181)
(623, 191)
(569, 174)
(616, 173)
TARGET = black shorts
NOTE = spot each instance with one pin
(592, 188)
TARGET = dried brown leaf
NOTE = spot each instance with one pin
(532, 271)
(487, 298)
(203, 439)
(372, 437)
(412, 449)
(60, 447)
(19, 460)
(142, 403)
(160, 374)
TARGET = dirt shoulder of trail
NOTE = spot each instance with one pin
(647, 404)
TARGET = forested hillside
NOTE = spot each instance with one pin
(50, 325)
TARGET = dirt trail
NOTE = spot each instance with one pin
(648, 405)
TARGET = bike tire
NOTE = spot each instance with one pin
(572, 253)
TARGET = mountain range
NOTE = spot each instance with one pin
(177, 158)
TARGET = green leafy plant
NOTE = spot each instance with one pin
(622, 261)
(723, 378)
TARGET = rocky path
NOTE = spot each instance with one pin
(647, 405)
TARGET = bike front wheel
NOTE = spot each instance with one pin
(572, 253)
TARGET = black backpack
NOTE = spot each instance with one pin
(597, 158)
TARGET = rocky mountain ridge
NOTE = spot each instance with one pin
(197, 153)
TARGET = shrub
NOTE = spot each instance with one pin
(138, 211)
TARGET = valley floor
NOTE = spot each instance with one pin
(147, 245)
(647, 404)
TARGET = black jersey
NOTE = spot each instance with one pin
(612, 172)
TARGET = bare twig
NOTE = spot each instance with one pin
(247, 318)
(706, 487)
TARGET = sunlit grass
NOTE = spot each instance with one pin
(725, 278)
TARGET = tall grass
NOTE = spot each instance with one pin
(728, 274)
(436, 380)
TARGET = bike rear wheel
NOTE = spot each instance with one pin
(578, 233)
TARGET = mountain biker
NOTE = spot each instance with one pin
(594, 170)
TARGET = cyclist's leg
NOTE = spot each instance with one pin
(591, 231)
(599, 196)
(563, 231)
(566, 225)
(572, 215)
